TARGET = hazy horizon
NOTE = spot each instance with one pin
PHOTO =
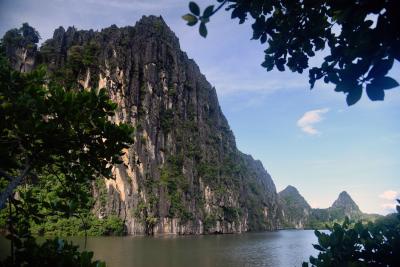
(309, 139)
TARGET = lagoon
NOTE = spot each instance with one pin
(278, 249)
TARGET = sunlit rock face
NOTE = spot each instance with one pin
(184, 173)
(21, 59)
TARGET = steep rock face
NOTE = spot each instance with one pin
(183, 174)
(295, 209)
(22, 58)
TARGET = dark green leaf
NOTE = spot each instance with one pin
(194, 8)
(280, 64)
(380, 68)
(263, 38)
(313, 260)
(203, 30)
(354, 95)
(268, 63)
(208, 11)
(317, 233)
(384, 83)
(318, 247)
(319, 43)
(191, 20)
(332, 76)
(280, 67)
(375, 93)
(192, 23)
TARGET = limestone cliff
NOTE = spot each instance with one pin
(184, 173)
(344, 205)
(296, 211)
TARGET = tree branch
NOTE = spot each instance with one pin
(6, 175)
(219, 7)
(15, 181)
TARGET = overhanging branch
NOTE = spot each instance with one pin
(14, 182)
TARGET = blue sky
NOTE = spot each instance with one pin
(309, 139)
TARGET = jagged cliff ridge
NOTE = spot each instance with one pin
(184, 174)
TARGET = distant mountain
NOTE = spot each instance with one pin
(344, 206)
(295, 209)
(297, 213)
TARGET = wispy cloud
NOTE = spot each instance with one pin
(389, 206)
(389, 195)
(229, 83)
(309, 119)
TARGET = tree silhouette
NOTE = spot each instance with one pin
(363, 39)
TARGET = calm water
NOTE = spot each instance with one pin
(281, 248)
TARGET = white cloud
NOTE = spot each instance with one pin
(389, 206)
(307, 121)
(389, 195)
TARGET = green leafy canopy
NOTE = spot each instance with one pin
(363, 39)
(53, 140)
(357, 244)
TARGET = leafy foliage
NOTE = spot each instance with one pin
(373, 244)
(176, 185)
(166, 120)
(19, 45)
(46, 129)
(81, 62)
(209, 222)
(56, 209)
(231, 214)
(56, 252)
(363, 38)
(208, 172)
(26, 36)
(73, 226)
(55, 141)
